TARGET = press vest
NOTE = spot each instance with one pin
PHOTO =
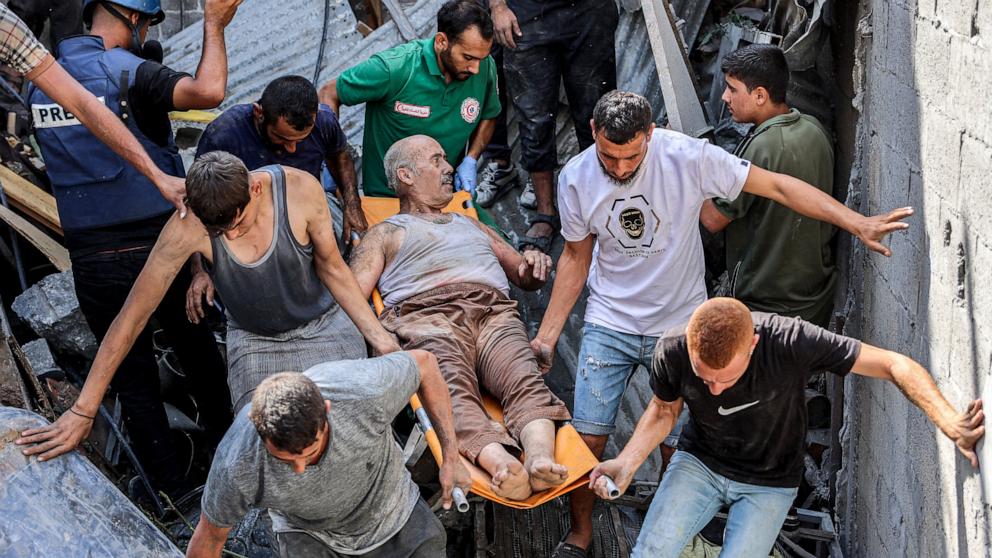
(93, 186)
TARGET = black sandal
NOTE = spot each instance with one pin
(568, 550)
(542, 243)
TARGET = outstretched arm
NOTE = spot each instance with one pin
(52, 78)
(964, 429)
(206, 90)
(655, 424)
(437, 402)
(334, 273)
(174, 246)
(573, 270)
(813, 202)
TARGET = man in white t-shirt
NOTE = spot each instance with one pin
(629, 211)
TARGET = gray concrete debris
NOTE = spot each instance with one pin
(51, 309)
(685, 114)
(691, 14)
(41, 360)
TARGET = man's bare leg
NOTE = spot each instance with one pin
(583, 500)
(538, 441)
(510, 479)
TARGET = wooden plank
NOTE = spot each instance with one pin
(30, 199)
(54, 251)
(363, 28)
(197, 116)
(376, 7)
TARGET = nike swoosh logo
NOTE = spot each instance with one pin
(732, 410)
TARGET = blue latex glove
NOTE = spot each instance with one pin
(466, 175)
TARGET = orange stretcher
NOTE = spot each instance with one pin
(570, 450)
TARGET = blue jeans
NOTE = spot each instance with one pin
(690, 495)
(607, 360)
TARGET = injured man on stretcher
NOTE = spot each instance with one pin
(443, 279)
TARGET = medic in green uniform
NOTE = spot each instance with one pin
(443, 87)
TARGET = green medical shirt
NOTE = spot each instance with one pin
(778, 260)
(405, 94)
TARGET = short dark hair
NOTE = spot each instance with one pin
(291, 97)
(621, 115)
(759, 66)
(217, 189)
(288, 411)
(455, 16)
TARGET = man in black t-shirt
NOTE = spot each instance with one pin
(112, 216)
(743, 376)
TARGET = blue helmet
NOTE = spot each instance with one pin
(151, 8)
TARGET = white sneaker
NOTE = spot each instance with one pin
(528, 199)
(494, 182)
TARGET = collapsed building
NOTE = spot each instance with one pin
(900, 86)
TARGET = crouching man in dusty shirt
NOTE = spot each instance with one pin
(443, 278)
(317, 450)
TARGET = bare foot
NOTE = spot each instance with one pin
(511, 481)
(545, 473)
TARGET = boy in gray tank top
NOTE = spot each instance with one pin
(444, 279)
(276, 252)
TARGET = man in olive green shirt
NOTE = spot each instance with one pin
(777, 260)
(443, 87)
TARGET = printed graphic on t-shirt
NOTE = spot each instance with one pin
(634, 225)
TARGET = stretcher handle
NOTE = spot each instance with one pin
(611, 487)
(457, 494)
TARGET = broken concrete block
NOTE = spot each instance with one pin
(51, 309)
(41, 360)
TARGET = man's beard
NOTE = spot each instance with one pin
(448, 66)
(622, 182)
(263, 132)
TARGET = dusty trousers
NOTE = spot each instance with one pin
(479, 340)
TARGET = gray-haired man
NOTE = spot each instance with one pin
(317, 450)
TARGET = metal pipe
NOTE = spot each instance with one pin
(611, 487)
(461, 504)
(424, 421)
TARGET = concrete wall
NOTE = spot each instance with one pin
(179, 14)
(924, 70)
